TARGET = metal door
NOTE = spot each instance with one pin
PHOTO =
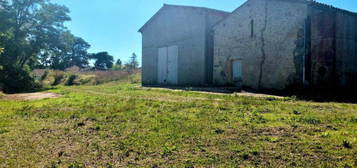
(162, 66)
(172, 60)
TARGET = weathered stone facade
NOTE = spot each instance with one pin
(268, 36)
(287, 43)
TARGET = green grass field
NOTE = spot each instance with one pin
(123, 125)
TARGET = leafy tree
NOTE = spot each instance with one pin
(33, 26)
(79, 55)
(28, 29)
(104, 61)
(118, 62)
(65, 51)
(118, 65)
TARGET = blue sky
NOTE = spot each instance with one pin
(112, 25)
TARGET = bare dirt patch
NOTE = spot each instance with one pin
(31, 96)
(259, 95)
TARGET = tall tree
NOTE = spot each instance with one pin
(64, 51)
(104, 61)
(79, 55)
(28, 28)
(34, 24)
(118, 65)
(133, 62)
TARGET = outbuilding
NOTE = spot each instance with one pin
(177, 46)
(282, 44)
(263, 44)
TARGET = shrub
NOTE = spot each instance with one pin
(44, 75)
(85, 79)
(16, 79)
(1, 86)
(71, 80)
(58, 77)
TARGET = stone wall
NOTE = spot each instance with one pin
(268, 36)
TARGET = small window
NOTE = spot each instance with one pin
(252, 28)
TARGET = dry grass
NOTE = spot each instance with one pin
(107, 76)
(51, 77)
(30, 96)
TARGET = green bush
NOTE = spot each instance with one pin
(71, 80)
(15, 79)
(58, 77)
(44, 75)
(1, 86)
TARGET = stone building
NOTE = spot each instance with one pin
(263, 44)
(279, 44)
(177, 46)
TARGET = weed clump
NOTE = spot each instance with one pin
(245, 156)
(309, 120)
(3, 131)
(76, 165)
(297, 112)
(347, 144)
(219, 131)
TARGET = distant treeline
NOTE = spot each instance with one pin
(33, 35)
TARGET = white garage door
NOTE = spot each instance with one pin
(167, 65)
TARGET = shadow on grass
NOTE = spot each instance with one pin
(347, 95)
(207, 89)
(34, 90)
(316, 95)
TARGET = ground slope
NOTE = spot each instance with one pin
(124, 125)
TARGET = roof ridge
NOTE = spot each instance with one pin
(199, 7)
(217, 12)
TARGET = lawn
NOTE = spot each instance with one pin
(119, 124)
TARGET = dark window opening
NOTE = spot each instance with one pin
(252, 28)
